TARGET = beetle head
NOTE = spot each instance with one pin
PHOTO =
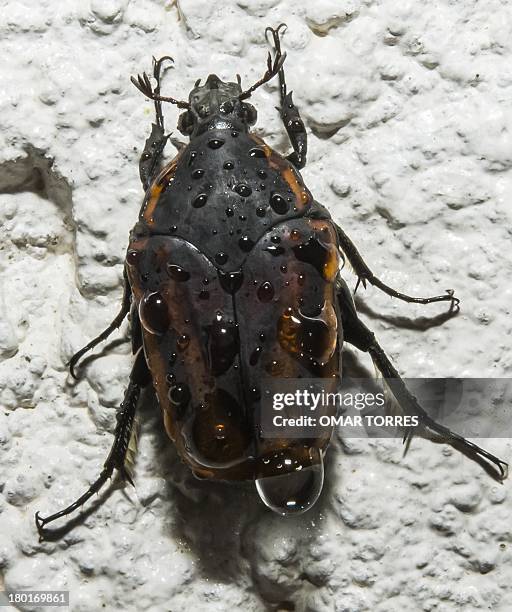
(216, 104)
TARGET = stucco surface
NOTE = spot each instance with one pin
(408, 110)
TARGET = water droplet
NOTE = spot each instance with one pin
(256, 152)
(229, 212)
(229, 165)
(323, 257)
(279, 204)
(200, 200)
(275, 239)
(172, 358)
(243, 190)
(132, 257)
(231, 281)
(215, 143)
(193, 155)
(301, 279)
(283, 269)
(177, 273)
(315, 336)
(221, 258)
(265, 292)
(182, 342)
(234, 134)
(260, 211)
(179, 394)
(220, 431)
(154, 314)
(255, 355)
(293, 492)
(223, 344)
(198, 173)
(173, 229)
(245, 243)
(263, 186)
(262, 337)
(275, 250)
(262, 174)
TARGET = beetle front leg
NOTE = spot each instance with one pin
(364, 274)
(289, 112)
(116, 459)
(358, 334)
(149, 163)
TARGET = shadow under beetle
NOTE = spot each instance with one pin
(232, 275)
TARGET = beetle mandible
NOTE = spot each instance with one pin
(231, 275)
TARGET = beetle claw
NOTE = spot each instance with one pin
(361, 280)
(454, 302)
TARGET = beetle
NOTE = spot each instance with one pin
(232, 275)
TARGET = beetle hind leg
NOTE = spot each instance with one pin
(117, 457)
(360, 336)
(289, 112)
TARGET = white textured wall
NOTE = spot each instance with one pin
(418, 173)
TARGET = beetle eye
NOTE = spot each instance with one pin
(248, 114)
(186, 123)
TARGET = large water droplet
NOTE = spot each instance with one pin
(223, 344)
(294, 492)
(153, 313)
(197, 173)
(324, 257)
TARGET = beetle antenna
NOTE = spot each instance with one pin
(143, 84)
(273, 67)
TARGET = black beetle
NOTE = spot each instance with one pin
(232, 275)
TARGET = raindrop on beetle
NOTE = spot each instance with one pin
(153, 313)
(200, 200)
(296, 491)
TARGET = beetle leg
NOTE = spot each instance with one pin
(364, 275)
(289, 112)
(119, 318)
(358, 334)
(149, 164)
(178, 144)
(116, 459)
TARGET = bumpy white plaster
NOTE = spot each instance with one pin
(408, 108)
